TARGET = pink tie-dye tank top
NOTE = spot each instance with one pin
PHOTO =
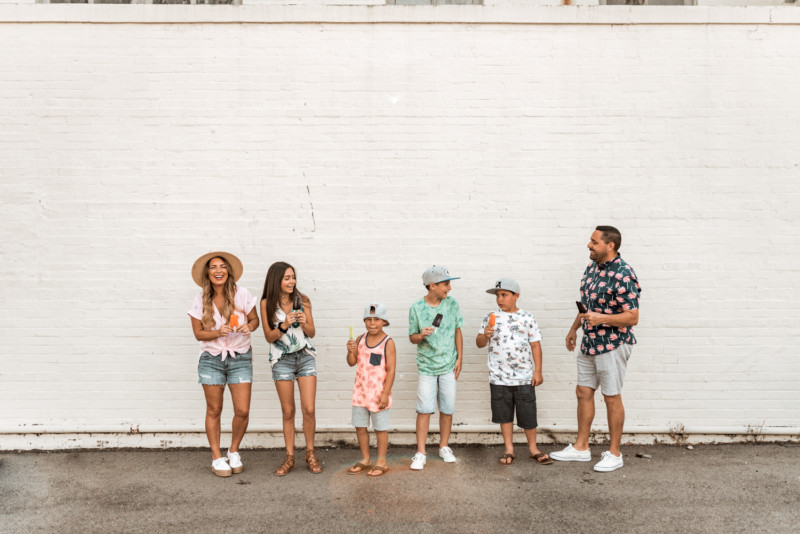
(370, 374)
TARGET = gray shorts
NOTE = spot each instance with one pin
(361, 417)
(606, 370)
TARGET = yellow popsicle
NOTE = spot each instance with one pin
(351, 333)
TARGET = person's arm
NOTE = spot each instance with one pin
(459, 352)
(270, 333)
(536, 349)
(391, 359)
(352, 351)
(306, 319)
(208, 335)
(572, 335)
(623, 319)
(416, 339)
(413, 324)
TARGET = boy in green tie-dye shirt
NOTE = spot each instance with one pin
(434, 325)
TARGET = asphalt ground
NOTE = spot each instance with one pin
(709, 488)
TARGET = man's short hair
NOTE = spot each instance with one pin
(611, 235)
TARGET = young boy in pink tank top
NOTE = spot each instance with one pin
(374, 355)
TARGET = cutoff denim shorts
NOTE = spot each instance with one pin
(295, 365)
(212, 371)
(606, 370)
(361, 416)
(433, 388)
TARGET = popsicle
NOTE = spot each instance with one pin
(436, 322)
(351, 333)
(234, 320)
(491, 319)
(297, 305)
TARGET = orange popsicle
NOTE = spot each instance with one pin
(491, 319)
(234, 320)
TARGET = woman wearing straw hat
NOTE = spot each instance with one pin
(223, 316)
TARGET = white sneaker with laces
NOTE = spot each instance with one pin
(418, 461)
(608, 462)
(571, 454)
(235, 461)
(446, 453)
(220, 467)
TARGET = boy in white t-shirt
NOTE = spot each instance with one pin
(515, 367)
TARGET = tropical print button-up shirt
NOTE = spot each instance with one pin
(610, 288)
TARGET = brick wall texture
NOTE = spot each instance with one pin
(362, 153)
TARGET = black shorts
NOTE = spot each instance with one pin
(506, 398)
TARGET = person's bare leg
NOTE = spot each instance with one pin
(445, 425)
(240, 393)
(423, 425)
(507, 429)
(308, 394)
(285, 390)
(616, 420)
(585, 416)
(214, 395)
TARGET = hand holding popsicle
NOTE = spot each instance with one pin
(436, 322)
(489, 330)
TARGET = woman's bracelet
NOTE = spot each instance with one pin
(281, 329)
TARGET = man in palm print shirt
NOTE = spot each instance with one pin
(610, 291)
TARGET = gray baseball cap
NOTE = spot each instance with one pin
(435, 274)
(376, 309)
(507, 284)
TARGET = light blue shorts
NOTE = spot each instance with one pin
(295, 365)
(433, 388)
(212, 371)
(361, 417)
(606, 370)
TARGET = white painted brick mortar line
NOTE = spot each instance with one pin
(514, 15)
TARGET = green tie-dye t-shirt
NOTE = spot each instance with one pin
(436, 354)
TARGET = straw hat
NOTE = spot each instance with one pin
(234, 266)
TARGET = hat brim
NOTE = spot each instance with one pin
(235, 267)
(494, 290)
(445, 280)
(376, 317)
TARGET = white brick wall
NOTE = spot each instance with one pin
(127, 150)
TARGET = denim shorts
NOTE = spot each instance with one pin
(212, 371)
(507, 398)
(606, 370)
(295, 365)
(361, 417)
(433, 388)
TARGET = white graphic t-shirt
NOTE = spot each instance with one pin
(510, 357)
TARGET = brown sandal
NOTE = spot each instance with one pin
(311, 460)
(286, 466)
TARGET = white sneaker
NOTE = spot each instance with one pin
(447, 455)
(418, 461)
(220, 467)
(608, 462)
(235, 461)
(571, 454)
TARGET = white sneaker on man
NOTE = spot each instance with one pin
(446, 454)
(608, 462)
(220, 467)
(235, 461)
(418, 461)
(571, 454)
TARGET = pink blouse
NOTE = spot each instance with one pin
(235, 342)
(370, 375)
